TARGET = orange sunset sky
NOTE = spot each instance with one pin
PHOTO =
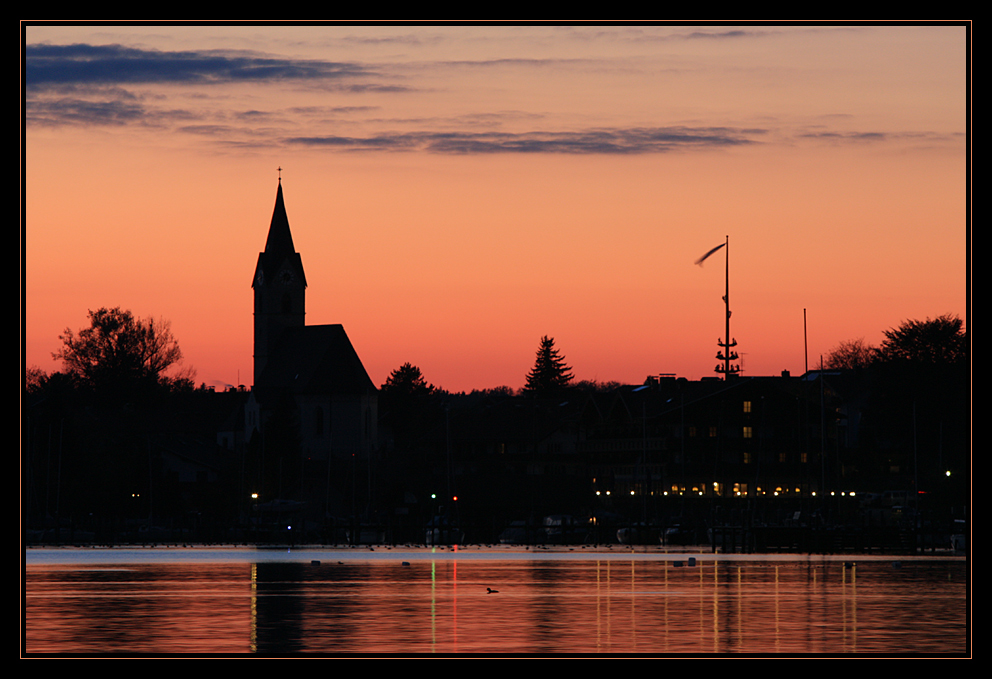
(456, 192)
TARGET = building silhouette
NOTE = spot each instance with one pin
(312, 410)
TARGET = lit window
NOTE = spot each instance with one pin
(747, 406)
(747, 432)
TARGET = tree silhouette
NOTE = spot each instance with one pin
(550, 373)
(917, 413)
(851, 354)
(941, 341)
(407, 403)
(407, 380)
(120, 352)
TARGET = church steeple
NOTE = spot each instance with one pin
(280, 286)
(279, 249)
(280, 239)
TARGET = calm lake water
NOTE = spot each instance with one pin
(419, 602)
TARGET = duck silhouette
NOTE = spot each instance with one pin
(491, 591)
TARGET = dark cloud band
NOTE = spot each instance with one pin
(61, 65)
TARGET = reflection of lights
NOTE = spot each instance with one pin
(253, 634)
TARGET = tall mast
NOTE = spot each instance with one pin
(726, 355)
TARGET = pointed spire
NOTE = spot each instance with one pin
(279, 247)
(280, 240)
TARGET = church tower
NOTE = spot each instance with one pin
(280, 287)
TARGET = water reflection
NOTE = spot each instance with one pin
(442, 606)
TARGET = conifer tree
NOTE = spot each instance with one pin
(550, 373)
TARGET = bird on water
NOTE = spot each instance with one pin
(491, 591)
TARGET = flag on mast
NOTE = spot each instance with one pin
(703, 258)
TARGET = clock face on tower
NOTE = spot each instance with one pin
(287, 278)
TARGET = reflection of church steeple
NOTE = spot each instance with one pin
(279, 285)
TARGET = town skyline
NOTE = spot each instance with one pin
(458, 192)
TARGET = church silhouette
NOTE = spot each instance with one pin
(312, 402)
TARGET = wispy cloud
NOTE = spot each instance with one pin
(183, 91)
(596, 141)
(80, 64)
(72, 110)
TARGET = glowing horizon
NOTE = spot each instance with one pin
(457, 192)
